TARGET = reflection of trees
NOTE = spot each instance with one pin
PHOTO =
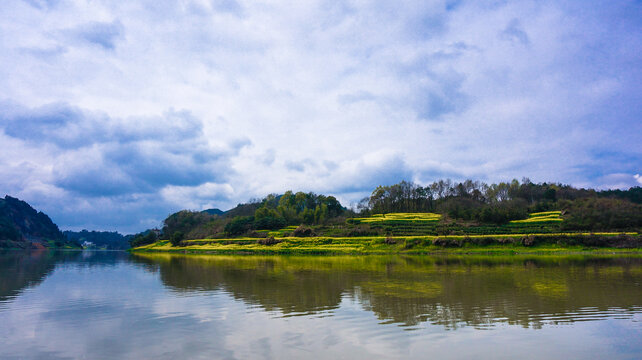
(264, 282)
(528, 293)
(21, 269)
(477, 291)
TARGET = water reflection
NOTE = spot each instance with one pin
(448, 291)
(23, 269)
(107, 305)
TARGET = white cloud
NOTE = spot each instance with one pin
(619, 181)
(315, 96)
(205, 196)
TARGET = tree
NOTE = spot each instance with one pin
(144, 238)
(176, 238)
(239, 225)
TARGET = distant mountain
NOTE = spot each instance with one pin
(22, 226)
(240, 210)
(105, 240)
(243, 210)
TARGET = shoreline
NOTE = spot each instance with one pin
(513, 244)
(479, 252)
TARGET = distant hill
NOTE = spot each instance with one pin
(22, 226)
(243, 210)
(104, 240)
(240, 210)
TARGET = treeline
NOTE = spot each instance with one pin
(270, 213)
(278, 211)
(584, 209)
(105, 240)
(144, 238)
(21, 226)
(410, 197)
(468, 201)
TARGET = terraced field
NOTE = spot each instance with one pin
(281, 232)
(541, 217)
(423, 224)
(401, 223)
(416, 233)
(396, 218)
(511, 243)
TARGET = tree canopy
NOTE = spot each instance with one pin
(468, 200)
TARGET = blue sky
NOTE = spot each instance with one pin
(115, 114)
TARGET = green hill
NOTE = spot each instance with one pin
(23, 227)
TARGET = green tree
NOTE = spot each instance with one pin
(176, 238)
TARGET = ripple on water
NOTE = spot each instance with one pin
(228, 307)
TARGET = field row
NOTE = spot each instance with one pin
(541, 217)
(410, 244)
(397, 218)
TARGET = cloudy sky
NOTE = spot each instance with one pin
(114, 114)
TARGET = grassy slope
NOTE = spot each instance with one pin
(375, 245)
(411, 230)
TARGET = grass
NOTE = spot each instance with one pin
(545, 213)
(281, 232)
(417, 233)
(541, 217)
(426, 244)
(398, 218)
(400, 224)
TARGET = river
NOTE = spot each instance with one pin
(116, 305)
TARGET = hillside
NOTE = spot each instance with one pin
(441, 214)
(22, 226)
(414, 233)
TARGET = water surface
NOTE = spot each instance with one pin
(117, 305)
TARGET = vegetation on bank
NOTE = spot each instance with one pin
(541, 217)
(437, 212)
(398, 218)
(515, 243)
(98, 240)
(23, 227)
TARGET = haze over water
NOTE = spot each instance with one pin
(117, 305)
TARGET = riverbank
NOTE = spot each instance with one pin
(478, 244)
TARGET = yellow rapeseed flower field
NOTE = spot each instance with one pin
(415, 217)
(545, 216)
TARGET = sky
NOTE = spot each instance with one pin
(115, 114)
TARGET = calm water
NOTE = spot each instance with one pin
(115, 305)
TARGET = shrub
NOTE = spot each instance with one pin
(601, 214)
(480, 241)
(363, 230)
(270, 240)
(143, 239)
(239, 225)
(390, 241)
(303, 231)
(185, 221)
(448, 242)
(176, 238)
(528, 240)
(410, 243)
(256, 234)
(269, 223)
